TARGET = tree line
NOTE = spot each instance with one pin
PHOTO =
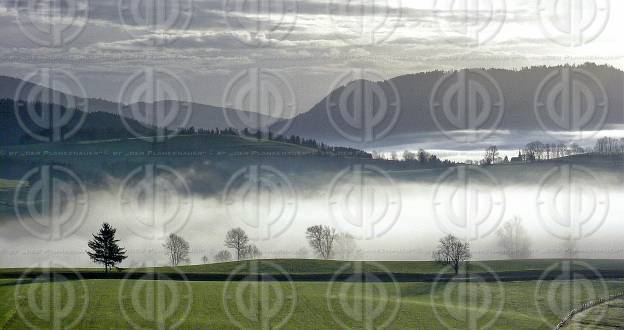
(421, 157)
(531, 152)
(270, 136)
(609, 146)
(325, 241)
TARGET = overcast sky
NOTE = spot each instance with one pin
(310, 44)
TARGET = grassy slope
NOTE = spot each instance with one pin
(315, 266)
(194, 143)
(303, 266)
(422, 305)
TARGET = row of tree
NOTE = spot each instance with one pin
(537, 150)
(292, 139)
(324, 240)
(609, 146)
(104, 248)
(533, 151)
(421, 157)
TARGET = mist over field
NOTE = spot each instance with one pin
(398, 217)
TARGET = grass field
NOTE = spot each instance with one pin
(105, 304)
(198, 144)
(315, 266)
(124, 304)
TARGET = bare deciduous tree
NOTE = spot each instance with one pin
(223, 256)
(346, 248)
(238, 240)
(513, 239)
(321, 239)
(491, 155)
(452, 251)
(177, 248)
(252, 252)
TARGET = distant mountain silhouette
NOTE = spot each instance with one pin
(201, 115)
(416, 91)
(567, 98)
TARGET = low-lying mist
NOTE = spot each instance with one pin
(391, 217)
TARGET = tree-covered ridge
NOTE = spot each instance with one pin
(89, 126)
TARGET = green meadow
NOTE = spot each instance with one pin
(58, 302)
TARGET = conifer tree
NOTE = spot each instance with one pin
(105, 249)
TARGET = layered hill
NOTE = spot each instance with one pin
(398, 109)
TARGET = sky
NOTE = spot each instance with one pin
(311, 46)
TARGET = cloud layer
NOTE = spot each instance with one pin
(311, 43)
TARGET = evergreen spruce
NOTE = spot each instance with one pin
(105, 249)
